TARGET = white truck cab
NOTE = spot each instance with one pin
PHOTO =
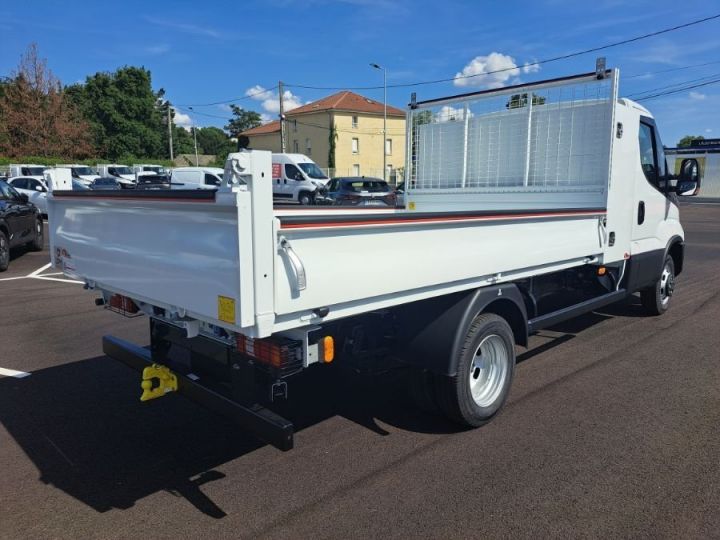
(82, 173)
(124, 174)
(27, 170)
(296, 178)
(145, 168)
(196, 178)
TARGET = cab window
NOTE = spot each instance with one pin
(20, 183)
(211, 180)
(648, 159)
(293, 173)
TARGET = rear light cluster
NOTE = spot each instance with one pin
(123, 305)
(281, 354)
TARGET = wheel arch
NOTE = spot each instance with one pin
(676, 249)
(432, 332)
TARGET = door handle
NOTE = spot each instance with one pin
(296, 263)
(641, 212)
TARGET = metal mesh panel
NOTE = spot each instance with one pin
(553, 137)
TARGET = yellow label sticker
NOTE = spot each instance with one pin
(411, 205)
(226, 309)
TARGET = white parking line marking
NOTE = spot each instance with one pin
(4, 372)
(57, 279)
(37, 275)
(36, 272)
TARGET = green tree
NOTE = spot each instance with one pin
(688, 139)
(517, 101)
(242, 120)
(214, 141)
(127, 117)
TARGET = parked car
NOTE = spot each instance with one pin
(20, 223)
(360, 191)
(108, 182)
(36, 190)
(153, 181)
(196, 177)
(79, 185)
(296, 178)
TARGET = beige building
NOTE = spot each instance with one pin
(354, 123)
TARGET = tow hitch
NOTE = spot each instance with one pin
(166, 382)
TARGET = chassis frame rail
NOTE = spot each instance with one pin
(262, 422)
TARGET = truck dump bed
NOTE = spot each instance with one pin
(501, 185)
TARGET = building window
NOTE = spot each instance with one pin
(355, 145)
(296, 148)
(354, 121)
(388, 147)
(308, 147)
(294, 123)
(356, 168)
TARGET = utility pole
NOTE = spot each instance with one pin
(282, 117)
(169, 123)
(197, 162)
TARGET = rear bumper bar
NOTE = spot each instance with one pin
(261, 421)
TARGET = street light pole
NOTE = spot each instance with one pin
(194, 129)
(384, 137)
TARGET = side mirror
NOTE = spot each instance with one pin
(689, 178)
(39, 188)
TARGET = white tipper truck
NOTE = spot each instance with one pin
(525, 206)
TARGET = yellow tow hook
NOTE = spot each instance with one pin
(166, 382)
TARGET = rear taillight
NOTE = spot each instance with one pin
(123, 305)
(280, 353)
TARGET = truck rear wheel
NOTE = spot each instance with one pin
(656, 299)
(305, 198)
(485, 370)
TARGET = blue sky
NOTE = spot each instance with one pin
(204, 52)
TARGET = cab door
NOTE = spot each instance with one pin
(656, 213)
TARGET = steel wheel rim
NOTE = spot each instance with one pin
(488, 370)
(39, 229)
(667, 285)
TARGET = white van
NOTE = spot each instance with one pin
(145, 168)
(196, 178)
(83, 173)
(296, 178)
(27, 170)
(122, 173)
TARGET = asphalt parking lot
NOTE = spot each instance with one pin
(612, 429)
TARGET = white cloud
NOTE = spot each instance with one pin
(708, 130)
(158, 49)
(697, 96)
(195, 29)
(270, 101)
(265, 118)
(450, 114)
(182, 120)
(492, 71)
(531, 67)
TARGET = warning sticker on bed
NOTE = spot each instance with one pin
(226, 309)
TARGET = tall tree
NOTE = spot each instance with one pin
(214, 141)
(688, 139)
(242, 120)
(127, 117)
(36, 116)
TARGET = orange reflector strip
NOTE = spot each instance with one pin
(328, 349)
(602, 271)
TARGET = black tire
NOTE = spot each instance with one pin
(305, 198)
(491, 334)
(4, 252)
(38, 243)
(656, 299)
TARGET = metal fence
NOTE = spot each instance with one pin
(547, 137)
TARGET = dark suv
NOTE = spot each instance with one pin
(20, 223)
(360, 191)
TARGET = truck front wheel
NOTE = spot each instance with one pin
(475, 394)
(656, 299)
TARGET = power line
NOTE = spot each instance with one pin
(682, 83)
(231, 100)
(536, 63)
(678, 90)
(669, 70)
